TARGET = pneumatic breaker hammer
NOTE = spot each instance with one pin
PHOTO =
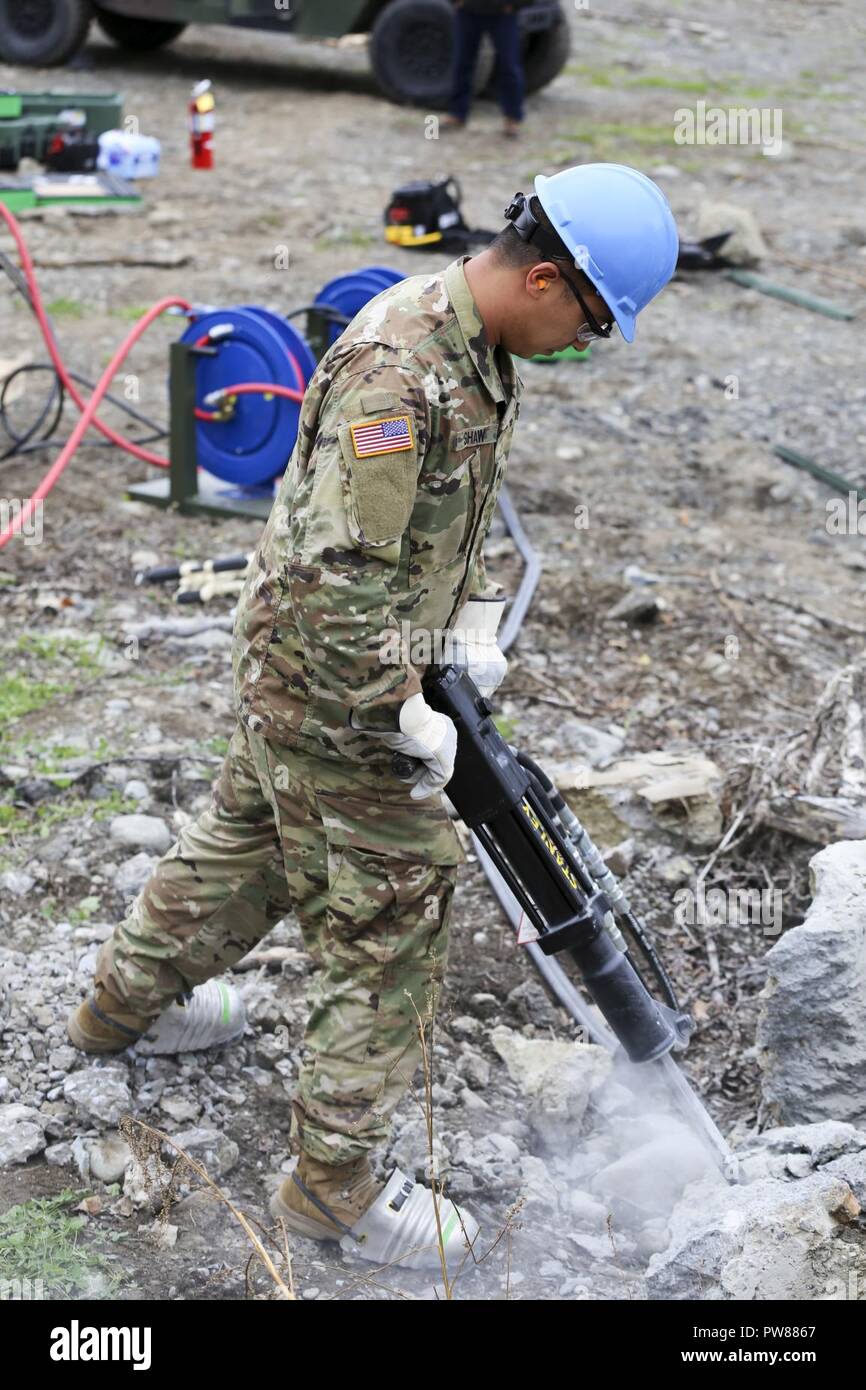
(566, 891)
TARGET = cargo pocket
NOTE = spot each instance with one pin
(391, 825)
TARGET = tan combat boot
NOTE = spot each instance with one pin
(104, 1023)
(323, 1201)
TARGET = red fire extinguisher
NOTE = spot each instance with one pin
(201, 124)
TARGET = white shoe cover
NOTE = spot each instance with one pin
(213, 1014)
(402, 1219)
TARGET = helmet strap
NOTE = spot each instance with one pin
(528, 228)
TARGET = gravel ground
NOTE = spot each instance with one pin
(675, 467)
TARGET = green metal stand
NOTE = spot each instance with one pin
(188, 488)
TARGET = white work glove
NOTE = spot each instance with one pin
(471, 644)
(431, 738)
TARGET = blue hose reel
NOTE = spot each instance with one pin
(253, 445)
(349, 293)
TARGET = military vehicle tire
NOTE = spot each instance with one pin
(140, 34)
(411, 53)
(42, 33)
(546, 53)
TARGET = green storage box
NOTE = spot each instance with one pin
(28, 120)
(104, 110)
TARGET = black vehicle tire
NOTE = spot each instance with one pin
(140, 34)
(411, 52)
(42, 33)
(545, 54)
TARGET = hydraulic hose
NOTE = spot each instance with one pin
(88, 415)
(249, 388)
(54, 351)
(88, 408)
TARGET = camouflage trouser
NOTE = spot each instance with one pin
(371, 877)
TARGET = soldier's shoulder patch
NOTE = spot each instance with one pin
(389, 435)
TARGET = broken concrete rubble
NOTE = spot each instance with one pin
(558, 1078)
(811, 1033)
(768, 1240)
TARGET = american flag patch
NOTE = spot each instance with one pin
(386, 436)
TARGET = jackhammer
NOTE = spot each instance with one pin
(568, 894)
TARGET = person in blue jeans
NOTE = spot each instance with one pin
(474, 19)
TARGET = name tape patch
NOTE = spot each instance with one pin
(386, 436)
(478, 434)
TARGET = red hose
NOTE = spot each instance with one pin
(54, 351)
(256, 388)
(88, 416)
(88, 409)
(252, 388)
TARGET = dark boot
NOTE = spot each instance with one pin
(104, 1023)
(347, 1190)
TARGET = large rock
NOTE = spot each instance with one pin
(811, 1033)
(131, 876)
(770, 1240)
(558, 1079)
(409, 1149)
(491, 1164)
(16, 883)
(214, 1151)
(141, 832)
(100, 1094)
(745, 246)
(21, 1133)
(793, 1151)
(106, 1159)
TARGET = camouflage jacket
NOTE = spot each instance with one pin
(374, 540)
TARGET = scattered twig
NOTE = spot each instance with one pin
(126, 1127)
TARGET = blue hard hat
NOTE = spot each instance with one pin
(619, 227)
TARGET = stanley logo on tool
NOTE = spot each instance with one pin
(386, 436)
(549, 844)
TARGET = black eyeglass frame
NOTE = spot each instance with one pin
(599, 330)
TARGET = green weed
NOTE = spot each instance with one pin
(40, 1240)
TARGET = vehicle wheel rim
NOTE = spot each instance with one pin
(425, 52)
(31, 18)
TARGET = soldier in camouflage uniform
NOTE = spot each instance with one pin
(374, 540)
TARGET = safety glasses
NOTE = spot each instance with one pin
(596, 329)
